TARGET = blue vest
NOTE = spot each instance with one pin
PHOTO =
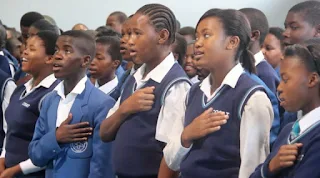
(268, 75)
(21, 116)
(115, 94)
(218, 154)
(136, 152)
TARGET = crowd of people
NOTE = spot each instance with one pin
(142, 97)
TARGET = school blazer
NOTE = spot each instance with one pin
(91, 159)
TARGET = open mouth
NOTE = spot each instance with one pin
(56, 67)
(133, 53)
(123, 49)
(198, 55)
(24, 60)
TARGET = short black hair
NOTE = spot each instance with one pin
(180, 45)
(258, 21)
(29, 18)
(161, 17)
(277, 32)
(114, 46)
(107, 31)
(121, 16)
(3, 37)
(84, 42)
(188, 31)
(43, 24)
(310, 11)
(49, 39)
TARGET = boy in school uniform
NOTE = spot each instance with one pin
(143, 116)
(66, 138)
(105, 63)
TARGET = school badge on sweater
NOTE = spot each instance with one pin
(79, 147)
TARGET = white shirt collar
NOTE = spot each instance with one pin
(194, 79)
(230, 79)
(1, 53)
(78, 89)
(132, 71)
(109, 86)
(158, 73)
(259, 57)
(46, 82)
(309, 119)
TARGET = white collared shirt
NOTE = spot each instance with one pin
(66, 102)
(11, 65)
(27, 166)
(254, 133)
(309, 119)
(109, 86)
(173, 107)
(259, 57)
(194, 79)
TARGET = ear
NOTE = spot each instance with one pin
(313, 79)
(115, 64)
(176, 56)
(163, 36)
(317, 31)
(86, 61)
(233, 42)
(255, 35)
(48, 59)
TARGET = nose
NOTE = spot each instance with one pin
(57, 55)
(263, 49)
(286, 33)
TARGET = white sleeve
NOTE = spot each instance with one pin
(28, 167)
(172, 109)
(114, 108)
(256, 122)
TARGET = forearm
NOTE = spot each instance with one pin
(166, 172)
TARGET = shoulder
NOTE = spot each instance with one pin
(265, 69)
(97, 97)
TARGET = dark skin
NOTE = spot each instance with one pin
(113, 22)
(24, 33)
(299, 90)
(70, 66)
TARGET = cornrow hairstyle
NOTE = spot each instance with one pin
(49, 39)
(258, 21)
(161, 17)
(188, 31)
(43, 24)
(310, 11)
(277, 32)
(82, 41)
(29, 18)
(235, 24)
(180, 48)
(113, 44)
(121, 16)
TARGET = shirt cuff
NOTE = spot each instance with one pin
(3, 153)
(28, 167)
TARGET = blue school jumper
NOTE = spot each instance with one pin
(90, 159)
(218, 154)
(275, 128)
(268, 75)
(120, 71)
(21, 117)
(136, 152)
(4, 79)
(115, 94)
(4, 65)
(308, 159)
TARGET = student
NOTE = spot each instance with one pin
(179, 48)
(66, 138)
(140, 121)
(105, 63)
(295, 153)
(220, 135)
(115, 20)
(302, 23)
(273, 47)
(5, 62)
(26, 21)
(80, 26)
(13, 45)
(23, 109)
(189, 66)
(41, 25)
(189, 33)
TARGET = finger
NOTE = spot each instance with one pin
(82, 130)
(288, 152)
(289, 147)
(146, 103)
(80, 125)
(299, 145)
(146, 108)
(148, 97)
(68, 120)
(82, 135)
(218, 118)
(287, 158)
(148, 90)
(211, 130)
(286, 164)
(217, 123)
(79, 139)
(207, 112)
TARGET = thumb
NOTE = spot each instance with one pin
(68, 120)
(299, 145)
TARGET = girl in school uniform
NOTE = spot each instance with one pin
(225, 131)
(23, 110)
(296, 151)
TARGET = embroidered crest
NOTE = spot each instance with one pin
(79, 147)
(27, 105)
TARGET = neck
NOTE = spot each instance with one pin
(70, 83)
(218, 75)
(153, 63)
(314, 103)
(105, 80)
(136, 66)
(37, 78)
(255, 48)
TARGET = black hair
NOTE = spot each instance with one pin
(29, 18)
(309, 53)
(43, 24)
(235, 24)
(188, 31)
(310, 11)
(258, 21)
(11, 43)
(178, 25)
(3, 37)
(114, 46)
(84, 42)
(121, 16)
(277, 32)
(161, 17)
(49, 39)
(180, 45)
(107, 31)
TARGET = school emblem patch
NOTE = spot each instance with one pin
(79, 147)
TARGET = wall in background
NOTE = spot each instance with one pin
(93, 13)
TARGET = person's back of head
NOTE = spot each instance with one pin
(42, 25)
(106, 31)
(189, 33)
(49, 39)
(80, 26)
(26, 21)
(3, 37)
(179, 48)
(50, 19)
(258, 22)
